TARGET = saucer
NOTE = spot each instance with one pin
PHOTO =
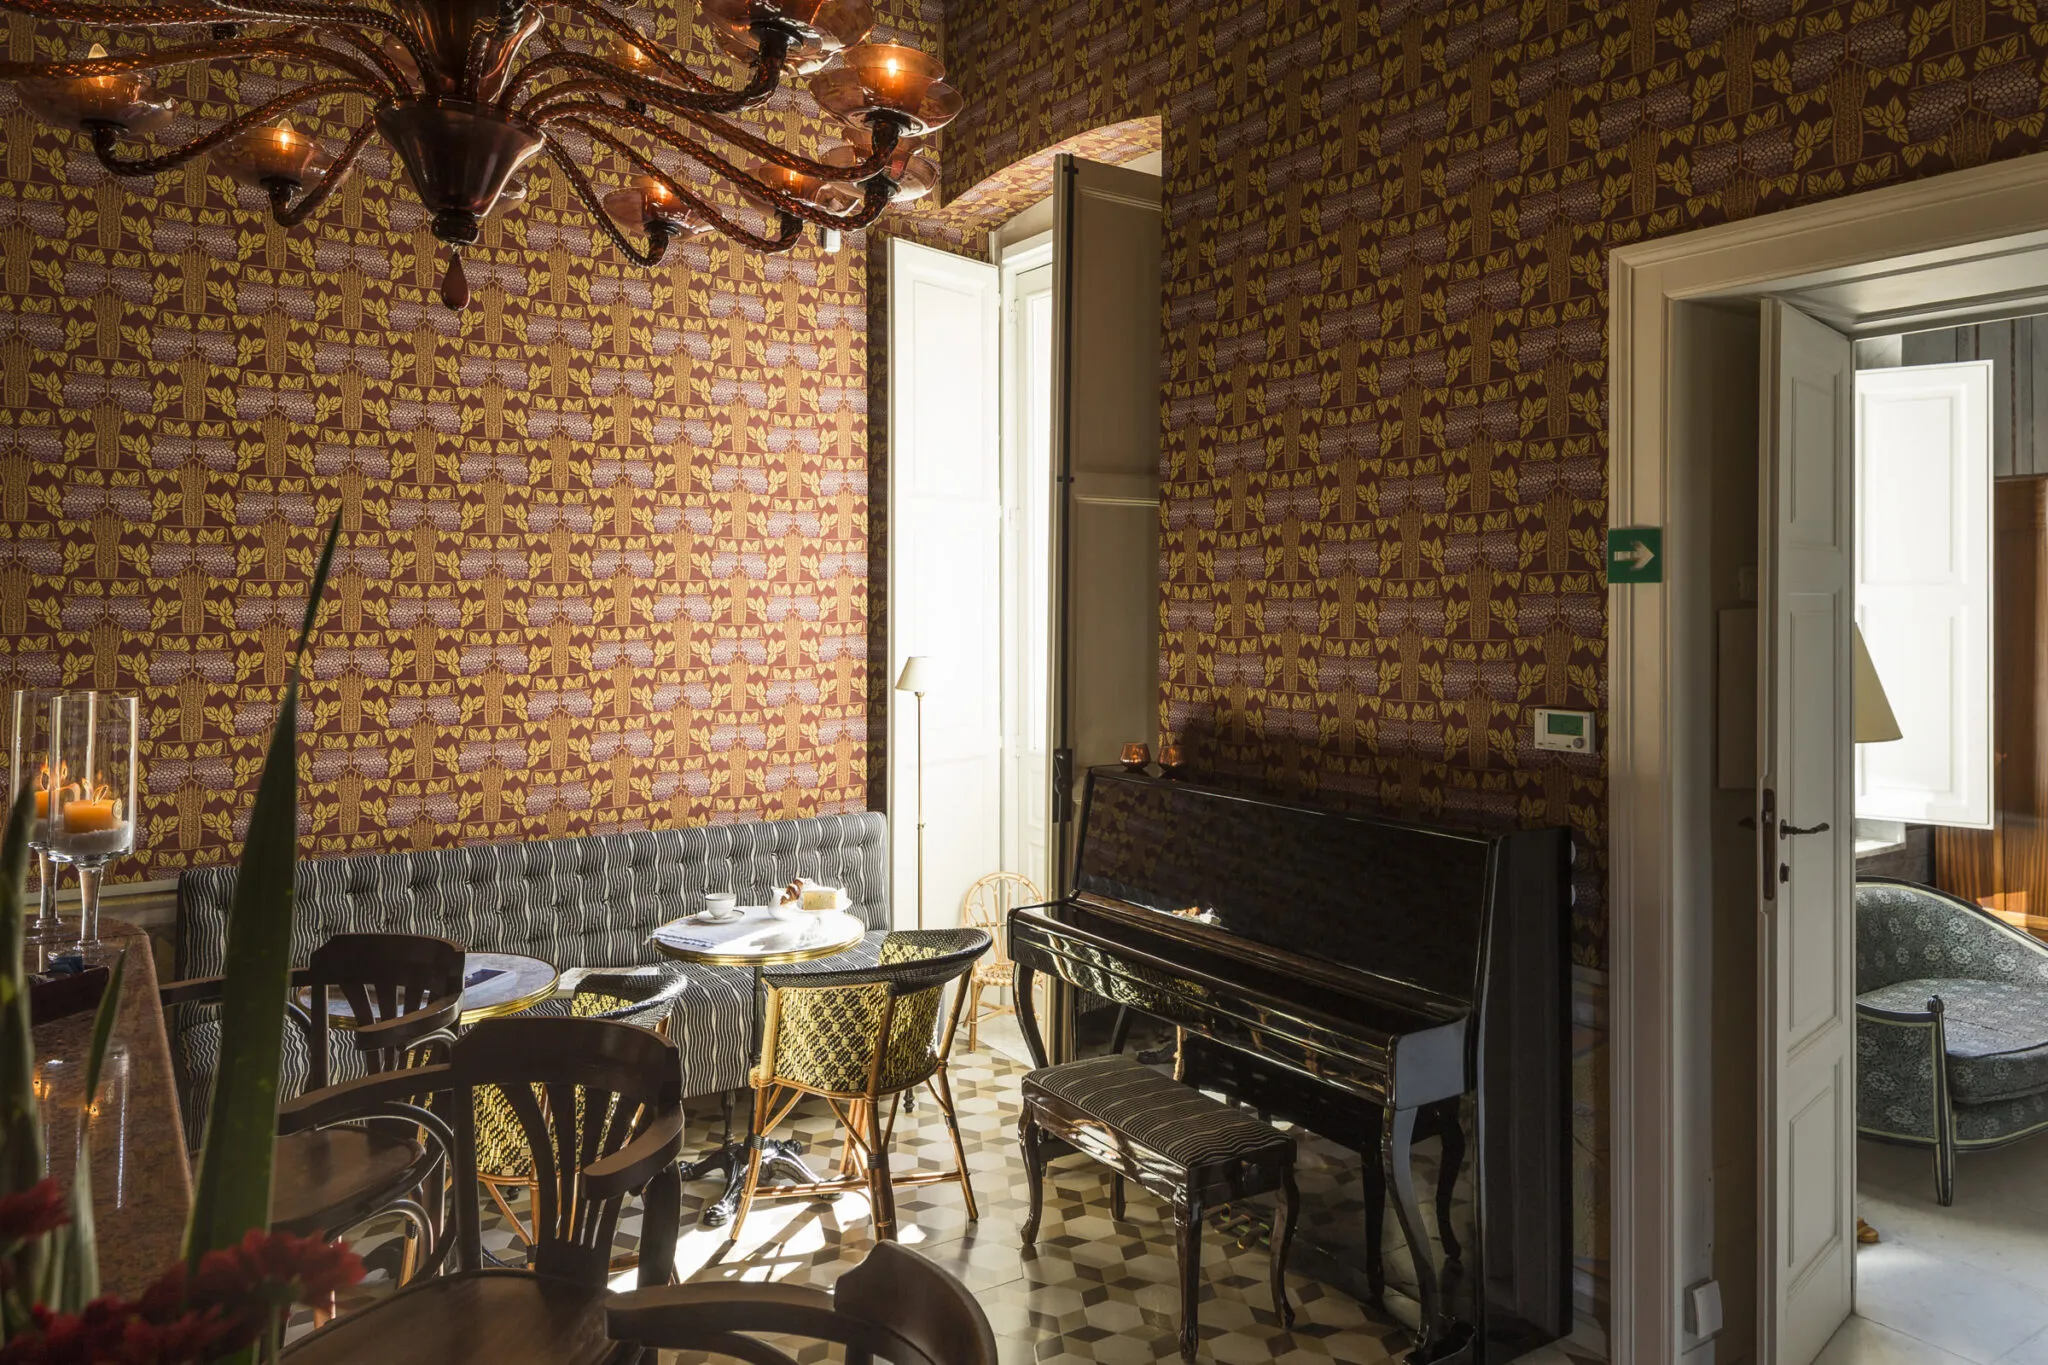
(713, 917)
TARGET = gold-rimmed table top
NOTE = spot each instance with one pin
(758, 938)
(515, 982)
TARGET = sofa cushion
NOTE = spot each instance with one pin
(1997, 1033)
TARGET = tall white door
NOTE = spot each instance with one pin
(1807, 943)
(1924, 588)
(1107, 295)
(945, 529)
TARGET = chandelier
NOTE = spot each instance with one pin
(469, 93)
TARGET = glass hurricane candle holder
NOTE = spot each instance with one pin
(898, 82)
(118, 100)
(272, 155)
(915, 176)
(819, 29)
(647, 203)
(92, 809)
(28, 769)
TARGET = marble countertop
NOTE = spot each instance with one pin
(142, 1184)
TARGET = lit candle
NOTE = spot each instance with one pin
(86, 816)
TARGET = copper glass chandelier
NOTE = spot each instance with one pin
(470, 92)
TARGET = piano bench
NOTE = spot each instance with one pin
(1194, 1152)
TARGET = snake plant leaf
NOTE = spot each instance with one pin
(231, 1193)
(79, 1251)
(21, 1123)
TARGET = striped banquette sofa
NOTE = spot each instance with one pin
(584, 902)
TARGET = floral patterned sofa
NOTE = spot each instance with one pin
(1951, 1025)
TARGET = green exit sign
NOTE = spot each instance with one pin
(1635, 554)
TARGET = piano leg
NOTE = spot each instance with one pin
(1397, 1152)
(1375, 1222)
(1027, 1015)
(1283, 1237)
(1120, 1032)
(1451, 1134)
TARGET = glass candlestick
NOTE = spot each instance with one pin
(92, 807)
(28, 768)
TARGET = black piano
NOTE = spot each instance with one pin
(1370, 979)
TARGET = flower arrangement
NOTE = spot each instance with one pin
(228, 1297)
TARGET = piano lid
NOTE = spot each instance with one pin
(1401, 901)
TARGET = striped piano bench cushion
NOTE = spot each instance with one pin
(1143, 1106)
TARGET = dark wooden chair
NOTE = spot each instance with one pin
(403, 995)
(1173, 1140)
(895, 1305)
(600, 1104)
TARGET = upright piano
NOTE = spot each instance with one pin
(1373, 980)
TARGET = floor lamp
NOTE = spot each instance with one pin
(914, 679)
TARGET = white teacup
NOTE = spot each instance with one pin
(721, 904)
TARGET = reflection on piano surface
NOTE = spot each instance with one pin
(1358, 976)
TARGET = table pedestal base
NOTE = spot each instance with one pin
(779, 1156)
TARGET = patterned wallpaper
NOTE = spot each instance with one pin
(1385, 452)
(606, 551)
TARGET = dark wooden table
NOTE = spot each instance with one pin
(142, 1185)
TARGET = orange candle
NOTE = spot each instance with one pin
(85, 816)
(42, 805)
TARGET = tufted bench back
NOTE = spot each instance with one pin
(1906, 932)
(587, 902)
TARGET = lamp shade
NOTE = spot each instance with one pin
(917, 675)
(1875, 722)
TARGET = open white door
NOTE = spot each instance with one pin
(945, 528)
(1107, 292)
(1924, 589)
(1807, 972)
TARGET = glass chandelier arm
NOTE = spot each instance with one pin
(103, 138)
(885, 132)
(578, 111)
(791, 227)
(656, 247)
(178, 56)
(363, 43)
(318, 12)
(768, 68)
(620, 27)
(291, 215)
(122, 16)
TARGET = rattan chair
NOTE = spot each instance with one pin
(642, 997)
(859, 1039)
(987, 905)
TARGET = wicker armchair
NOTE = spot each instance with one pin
(860, 1038)
(987, 905)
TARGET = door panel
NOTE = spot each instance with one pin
(1808, 1038)
(1106, 325)
(1925, 588)
(945, 510)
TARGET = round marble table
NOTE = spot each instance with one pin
(493, 985)
(757, 940)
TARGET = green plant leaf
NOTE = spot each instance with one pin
(231, 1193)
(80, 1249)
(319, 588)
(21, 1122)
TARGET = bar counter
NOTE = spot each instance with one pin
(142, 1185)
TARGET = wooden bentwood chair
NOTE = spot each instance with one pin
(895, 1304)
(987, 905)
(859, 1039)
(404, 993)
(504, 1159)
(599, 1103)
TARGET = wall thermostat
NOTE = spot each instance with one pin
(1568, 731)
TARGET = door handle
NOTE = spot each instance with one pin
(1789, 830)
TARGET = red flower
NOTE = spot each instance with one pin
(273, 1270)
(35, 1211)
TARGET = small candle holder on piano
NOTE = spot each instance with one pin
(28, 768)
(92, 809)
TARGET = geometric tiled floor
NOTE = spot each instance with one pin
(1094, 1290)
